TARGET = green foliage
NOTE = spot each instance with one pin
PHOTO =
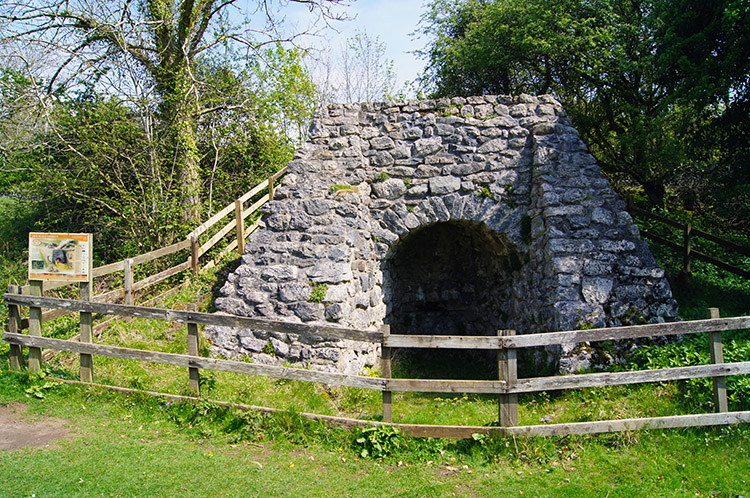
(485, 192)
(39, 385)
(378, 442)
(697, 393)
(318, 293)
(268, 349)
(383, 176)
(343, 188)
(648, 84)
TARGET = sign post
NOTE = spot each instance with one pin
(65, 257)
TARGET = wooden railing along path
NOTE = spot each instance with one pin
(507, 387)
(686, 248)
(127, 294)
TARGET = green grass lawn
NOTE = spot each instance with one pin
(131, 445)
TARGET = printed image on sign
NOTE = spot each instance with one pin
(60, 256)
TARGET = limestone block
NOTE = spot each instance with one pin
(444, 185)
(316, 207)
(596, 290)
(382, 159)
(294, 291)
(391, 188)
(330, 272)
(309, 311)
(426, 146)
(252, 344)
(337, 311)
(382, 143)
(280, 348)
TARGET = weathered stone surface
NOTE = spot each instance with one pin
(596, 290)
(427, 146)
(444, 185)
(391, 188)
(462, 215)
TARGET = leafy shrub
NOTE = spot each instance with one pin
(378, 442)
(318, 293)
(697, 393)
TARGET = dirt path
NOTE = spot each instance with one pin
(18, 429)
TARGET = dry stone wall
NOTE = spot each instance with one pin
(450, 216)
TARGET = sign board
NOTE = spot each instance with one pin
(60, 256)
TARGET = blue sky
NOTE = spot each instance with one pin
(392, 21)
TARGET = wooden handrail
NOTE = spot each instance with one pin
(123, 265)
(686, 247)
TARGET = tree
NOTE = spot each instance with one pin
(358, 72)
(613, 64)
(97, 163)
(162, 39)
(367, 75)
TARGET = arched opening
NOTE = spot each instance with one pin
(450, 278)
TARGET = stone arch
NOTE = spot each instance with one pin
(451, 278)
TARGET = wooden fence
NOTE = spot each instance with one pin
(507, 387)
(192, 245)
(686, 248)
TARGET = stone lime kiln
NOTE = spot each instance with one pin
(451, 216)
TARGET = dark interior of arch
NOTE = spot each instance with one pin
(450, 278)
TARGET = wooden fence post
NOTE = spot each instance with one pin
(194, 254)
(508, 372)
(16, 356)
(128, 281)
(688, 246)
(193, 348)
(270, 188)
(240, 226)
(86, 329)
(35, 326)
(385, 366)
(717, 356)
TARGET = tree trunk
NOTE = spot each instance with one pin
(655, 191)
(187, 162)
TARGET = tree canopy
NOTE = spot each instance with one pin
(163, 42)
(643, 80)
(129, 116)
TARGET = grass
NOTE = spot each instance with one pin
(137, 445)
(131, 445)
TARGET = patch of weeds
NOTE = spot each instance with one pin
(342, 189)
(484, 191)
(383, 176)
(410, 209)
(39, 386)
(633, 317)
(407, 181)
(268, 349)
(207, 383)
(378, 442)
(448, 111)
(318, 293)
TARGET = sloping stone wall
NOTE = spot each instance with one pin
(451, 216)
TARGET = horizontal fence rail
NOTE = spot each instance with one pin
(506, 343)
(191, 245)
(686, 247)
